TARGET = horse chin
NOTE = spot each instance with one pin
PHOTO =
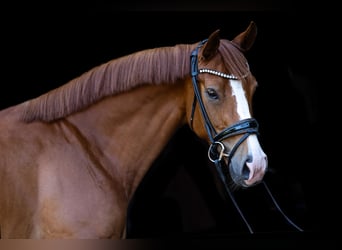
(242, 177)
(241, 184)
(247, 185)
(239, 181)
(233, 181)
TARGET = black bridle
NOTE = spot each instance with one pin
(217, 150)
(246, 126)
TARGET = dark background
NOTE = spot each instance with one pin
(46, 45)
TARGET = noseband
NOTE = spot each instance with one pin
(217, 150)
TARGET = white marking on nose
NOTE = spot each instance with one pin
(241, 100)
(258, 165)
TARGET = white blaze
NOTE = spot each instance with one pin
(241, 101)
(254, 148)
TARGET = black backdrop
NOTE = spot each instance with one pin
(44, 46)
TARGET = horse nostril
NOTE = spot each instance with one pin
(245, 172)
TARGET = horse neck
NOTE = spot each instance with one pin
(131, 129)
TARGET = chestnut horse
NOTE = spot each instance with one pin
(72, 158)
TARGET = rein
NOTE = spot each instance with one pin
(217, 150)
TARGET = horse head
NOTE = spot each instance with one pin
(224, 88)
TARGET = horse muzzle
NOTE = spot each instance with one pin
(243, 168)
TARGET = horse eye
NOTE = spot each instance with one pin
(212, 93)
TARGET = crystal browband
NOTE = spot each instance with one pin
(224, 75)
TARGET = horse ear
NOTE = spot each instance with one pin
(210, 47)
(245, 40)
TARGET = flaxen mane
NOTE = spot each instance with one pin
(154, 66)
